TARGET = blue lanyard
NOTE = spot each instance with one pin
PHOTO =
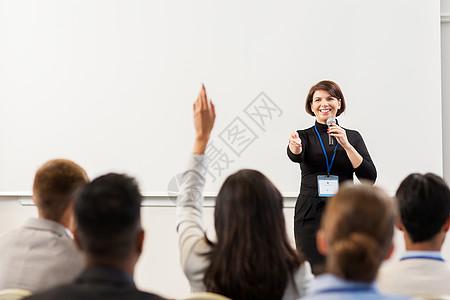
(324, 152)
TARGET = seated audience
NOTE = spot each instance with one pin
(42, 254)
(109, 231)
(423, 203)
(252, 257)
(356, 235)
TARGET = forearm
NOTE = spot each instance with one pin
(200, 145)
(293, 157)
(353, 155)
(190, 199)
(190, 205)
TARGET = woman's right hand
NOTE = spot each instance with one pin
(295, 143)
(204, 117)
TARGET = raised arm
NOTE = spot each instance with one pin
(190, 226)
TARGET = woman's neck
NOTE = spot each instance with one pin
(321, 122)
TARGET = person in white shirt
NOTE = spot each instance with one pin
(424, 205)
(42, 253)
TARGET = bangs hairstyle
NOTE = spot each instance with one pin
(54, 186)
(329, 86)
(253, 258)
(358, 224)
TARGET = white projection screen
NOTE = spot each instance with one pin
(110, 84)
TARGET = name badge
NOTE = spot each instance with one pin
(328, 185)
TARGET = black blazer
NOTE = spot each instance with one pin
(97, 283)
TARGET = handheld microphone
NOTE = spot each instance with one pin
(330, 121)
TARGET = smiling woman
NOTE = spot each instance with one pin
(324, 164)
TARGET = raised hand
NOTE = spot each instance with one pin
(204, 117)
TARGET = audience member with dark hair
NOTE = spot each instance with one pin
(42, 254)
(109, 231)
(356, 236)
(423, 203)
(252, 257)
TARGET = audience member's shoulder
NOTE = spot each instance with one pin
(415, 277)
(302, 278)
(150, 296)
(391, 279)
(304, 273)
(16, 233)
(7, 235)
(54, 293)
(394, 297)
(388, 270)
(68, 292)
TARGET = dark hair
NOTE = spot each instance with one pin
(329, 86)
(108, 216)
(252, 258)
(358, 224)
(54, 186)
(424, 205)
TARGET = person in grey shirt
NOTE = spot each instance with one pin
(42, 254)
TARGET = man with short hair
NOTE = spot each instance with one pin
(109, 231)
(42, 254)
(424, 205)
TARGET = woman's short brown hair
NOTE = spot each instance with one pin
(329, 86)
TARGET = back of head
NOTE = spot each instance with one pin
(54, 187)
(252, 258)
(358, 225)
(107, 212)
(424, 205)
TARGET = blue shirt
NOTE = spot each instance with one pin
(331, 287)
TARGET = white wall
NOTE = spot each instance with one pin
(110, 83)
(445, 62)
(445, 55)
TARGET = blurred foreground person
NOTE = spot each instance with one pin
(423, 203)
(42, 254)
(356, 236)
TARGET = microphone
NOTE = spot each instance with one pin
(330, 138)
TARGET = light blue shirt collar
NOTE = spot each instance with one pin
(329, 283)
(436, 255)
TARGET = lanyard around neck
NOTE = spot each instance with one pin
(324, 152)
